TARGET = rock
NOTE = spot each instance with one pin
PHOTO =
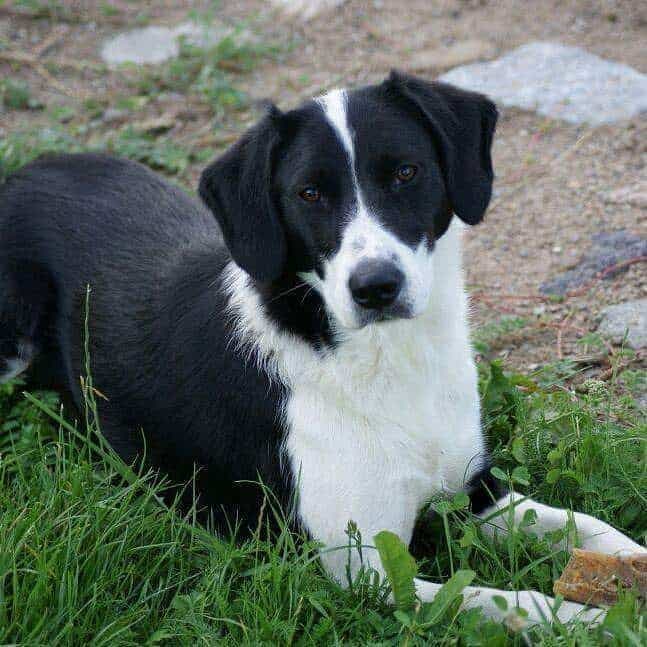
(628, 318)
(171, 97)
(156, 44)
(306, 9)
(114, 115)
(156, 125)
(442, 58)
(560, 82)
(634, 195)
(641, 401)
(607, 249)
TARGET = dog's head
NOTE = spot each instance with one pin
(351, 190)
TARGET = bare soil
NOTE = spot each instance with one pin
(551, 176)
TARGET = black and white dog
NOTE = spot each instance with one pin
(322, 348)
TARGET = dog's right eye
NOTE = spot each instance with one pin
(405, 173)
(310, 194)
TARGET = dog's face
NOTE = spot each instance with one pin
(361, 201)
(351, 190)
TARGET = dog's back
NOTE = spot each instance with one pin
(152, 258)
(78, 221)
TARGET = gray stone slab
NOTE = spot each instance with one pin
(558, 81)
(634, 195)
(156, 44)
(630, 319)
(306, 9)
(607, 249)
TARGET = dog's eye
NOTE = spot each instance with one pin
(406, 172)
(310, 194)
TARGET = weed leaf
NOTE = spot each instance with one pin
(436, 609)
(400, 567)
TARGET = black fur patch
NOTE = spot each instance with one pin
(297, 308)
(178, 387)
(484, 489)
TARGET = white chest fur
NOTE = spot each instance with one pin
(384, 422)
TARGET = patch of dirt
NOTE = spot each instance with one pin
(552, 177)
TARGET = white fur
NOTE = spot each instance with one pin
(390, 417)
(19, 364)
(382, 423)
(14, 368)
(365, 238)
(540, 607)
(334, 106)
(592, 533)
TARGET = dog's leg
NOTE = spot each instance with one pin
(16, 361)
(541, 608)
(24, 304)
(593, 534)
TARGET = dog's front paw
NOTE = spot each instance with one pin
(542, 608)
(600, 537)
(632, 549)
(569, 611)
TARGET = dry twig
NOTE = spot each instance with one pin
(542, 170)
(22, 58)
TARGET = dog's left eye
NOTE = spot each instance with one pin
(406, 172)
(310, 194)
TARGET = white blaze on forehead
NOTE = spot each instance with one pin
(334, 106)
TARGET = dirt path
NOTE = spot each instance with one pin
(552, 177)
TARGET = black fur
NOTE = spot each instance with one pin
(161, 348)
(484, 489)
(158, 340)
(462, 125)
(239, 184)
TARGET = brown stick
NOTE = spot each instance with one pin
(23, 58)
(543, 170)
(560, 331)
(604, 273)
(49, 41)
(616, 370)
(479, 296)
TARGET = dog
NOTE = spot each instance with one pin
(305, 328)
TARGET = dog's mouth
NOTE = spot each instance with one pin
(394, 313)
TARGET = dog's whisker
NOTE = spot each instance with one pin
(292, 289)
(306, 293)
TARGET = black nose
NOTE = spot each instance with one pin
(375, 284)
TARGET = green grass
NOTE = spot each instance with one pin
(205, 76)
(160, 153)
(16, 95)
(88, 554)
(51, 9)
(19, 148)
(487, 335)
(208, 74)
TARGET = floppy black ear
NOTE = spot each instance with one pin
(237, 188)
(462, 124)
